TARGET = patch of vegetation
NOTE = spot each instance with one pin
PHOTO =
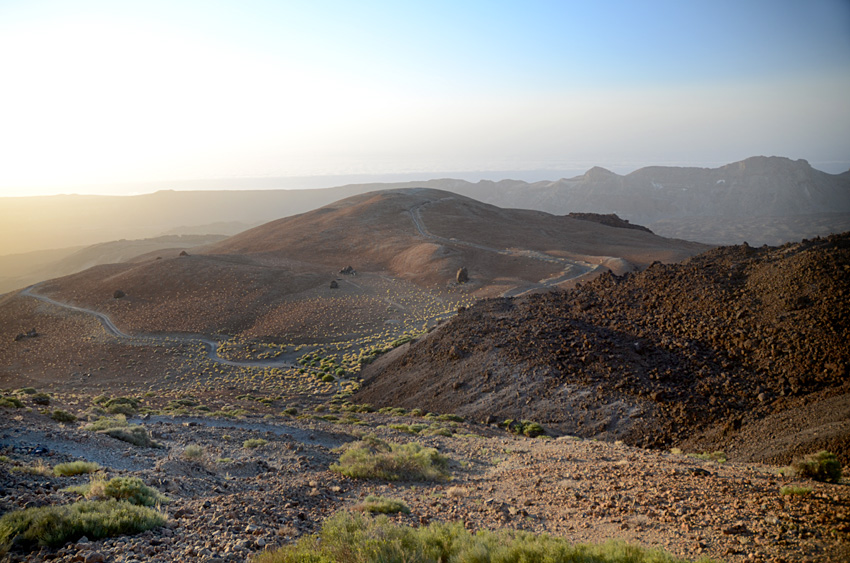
(129, 489)
(26, 391)
(193, 453)
(822, 466)
(42, 399)
(437, 431)
(382, 505)
(107, 423)
(372, 458)
(524, 427)
(62, 416)
(791, 490)
(55, 525)
(718, 456)
(11, 403)
(75, 468)
(254, 443)
(450, 418)
(290, 411)
(355, 538)
(136, 435)
(37, 468)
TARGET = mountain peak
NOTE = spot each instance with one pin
(597, 173)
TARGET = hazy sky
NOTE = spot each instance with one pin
(99, 92)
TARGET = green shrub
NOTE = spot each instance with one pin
(62, 416)
(524, 427)
(129, 489)
(106, 423)
(355, 538)
(42, 399)
(371, 458)
(193, 453)
(450, 418)
(794, 491)
(11, 403)
(328, 378)
(75, 468)
(718, 456)
(290, 411)
(37, 468)
(55, 525)
(822, 466)
(136, 435)
(382, 505)
(254, 443)
(26, 391)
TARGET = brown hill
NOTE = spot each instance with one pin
(740, 349)
(257, 282)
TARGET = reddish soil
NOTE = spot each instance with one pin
(698, 354)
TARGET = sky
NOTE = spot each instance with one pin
(96, 95)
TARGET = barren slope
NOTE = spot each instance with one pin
(694, 353)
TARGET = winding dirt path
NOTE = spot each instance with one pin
(572, 269)
(211, 346)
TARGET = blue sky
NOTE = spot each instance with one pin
(111, 92)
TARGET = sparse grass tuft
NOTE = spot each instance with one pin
(37, 468)
(129, 489)
(254, 443)
(63, 416)
(718, 456)
(75, 468)
(791, 490)
(355, 538)
(371, 458)
(136, 435)
(524, 427)
(107, 423)
(193, 453)
(822, 466)
(55, 525)
(11, 403)
(382, 505)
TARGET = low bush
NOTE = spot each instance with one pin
(37, 468)
(106, 423)
(254, 443)
(355, 538)
(791, 490)
(42, 399)
(193, 453)
(382, 505)
(822, 466)
(11, 403)
(26, 391)
(136, 435)
(718, 456)
(371, 458)
(129, 489)
(524, 427)
(63, 416)
(55, 525)
(75, 468)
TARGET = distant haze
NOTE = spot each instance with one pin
(104, 97)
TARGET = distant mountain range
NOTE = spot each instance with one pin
(761, 200)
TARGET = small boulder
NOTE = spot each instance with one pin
(348, 271)
(462, 275)
(334, 285)
(183, 253)
(118, 294)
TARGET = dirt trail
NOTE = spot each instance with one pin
(211, 346)
(571, 268)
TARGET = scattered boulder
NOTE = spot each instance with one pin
(32, 333)
(183, 253)
(334, 285)
(348, 271)
(118, 294)
(462, 275)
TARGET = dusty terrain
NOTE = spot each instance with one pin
(690, 354)
(236, 501)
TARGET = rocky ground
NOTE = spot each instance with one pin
(696, 355)
(236, 501)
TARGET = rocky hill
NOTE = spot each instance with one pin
(700, 353)
(254, 282)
